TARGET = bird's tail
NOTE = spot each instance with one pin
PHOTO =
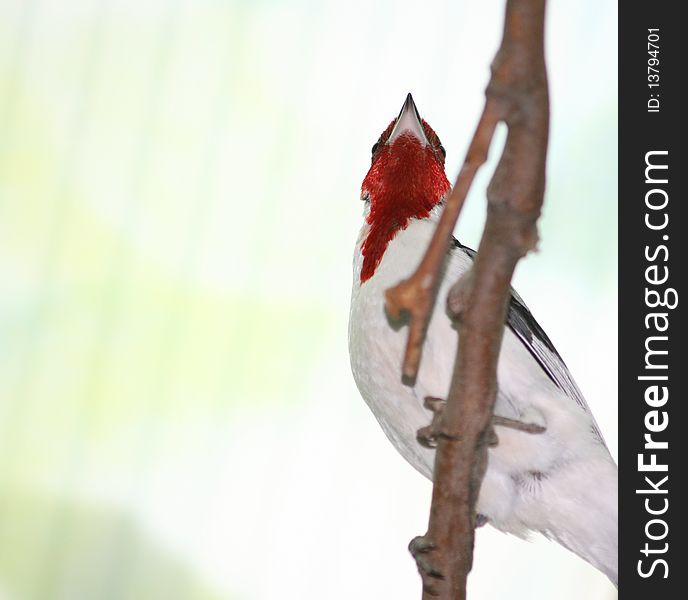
(584, 518)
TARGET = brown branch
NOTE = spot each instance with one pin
(516, 94)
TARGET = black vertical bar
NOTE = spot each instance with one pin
(653, 559)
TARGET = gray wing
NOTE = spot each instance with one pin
(521, 321)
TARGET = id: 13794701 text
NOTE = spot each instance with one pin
(653, 70)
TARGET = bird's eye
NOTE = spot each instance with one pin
(376, 145)
(443, 151)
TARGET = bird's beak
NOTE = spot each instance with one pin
(408, 121)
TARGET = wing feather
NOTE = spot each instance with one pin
(521, 321)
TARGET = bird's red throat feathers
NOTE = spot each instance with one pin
(405, 181)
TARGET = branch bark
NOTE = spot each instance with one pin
(517, 95)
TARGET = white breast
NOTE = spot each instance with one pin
(376, 348)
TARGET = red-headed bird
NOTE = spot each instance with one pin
(561, 482)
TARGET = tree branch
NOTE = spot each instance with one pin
(517, 95)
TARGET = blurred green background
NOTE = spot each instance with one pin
(179, 184)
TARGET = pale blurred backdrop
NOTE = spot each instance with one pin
(179, 184)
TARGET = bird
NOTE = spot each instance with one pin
(561, 482)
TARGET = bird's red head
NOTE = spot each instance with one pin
(405, 181)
